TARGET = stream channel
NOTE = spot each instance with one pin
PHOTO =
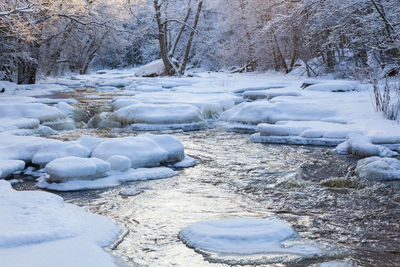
(305, 186)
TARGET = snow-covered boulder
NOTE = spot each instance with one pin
(75, 168)
(153, 69)
(143, 151)
(50, 152)
(377, 168)
(7, 88)
(158, 114)
(8, 167)
(38, 111)
(362, 146)
(246, 237)
(119, 163)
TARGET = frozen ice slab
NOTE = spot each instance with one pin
(249, 241)
(381, 169)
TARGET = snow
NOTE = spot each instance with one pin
(34, 223)
(155, 68)
(76, 168)
(143, 151)
(114, 178)
(119, 163)
(268, 94)
(186, 162)
(363, 146)
(8, 167)
(250, 236)
(377, 168)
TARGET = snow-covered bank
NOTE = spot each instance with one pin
(38, 229)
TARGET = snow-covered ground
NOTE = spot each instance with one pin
(274, 107)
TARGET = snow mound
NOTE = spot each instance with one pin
(38, 111)
(51, 152)
(121, 102)
(8, 167)
(214, 108)
(143, 151)
(158, 114)
(7, 88)
(153, 69)
(102, 121)
(75, 168)
(376, 168)
(119, 163)
(34, 223)
(272, 238)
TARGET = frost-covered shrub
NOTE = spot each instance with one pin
(387, 99)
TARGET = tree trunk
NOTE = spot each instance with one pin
(189, 43)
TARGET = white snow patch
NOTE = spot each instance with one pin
(38, 111)
(119, 163)
(53, 151)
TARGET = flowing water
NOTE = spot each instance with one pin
(305, 186)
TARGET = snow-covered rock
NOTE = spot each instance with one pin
(377, 168)
(39, 229)
(38, 111)
(54, 151)
(143, 151)
(8, 167)
(75, 168)
(114, 178)
(268, 94)
(158, 114)
(119, 163)
(153, 69)
(272, 238)
(14, 124)
(362, 146)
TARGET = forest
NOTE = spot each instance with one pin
(357, 39)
